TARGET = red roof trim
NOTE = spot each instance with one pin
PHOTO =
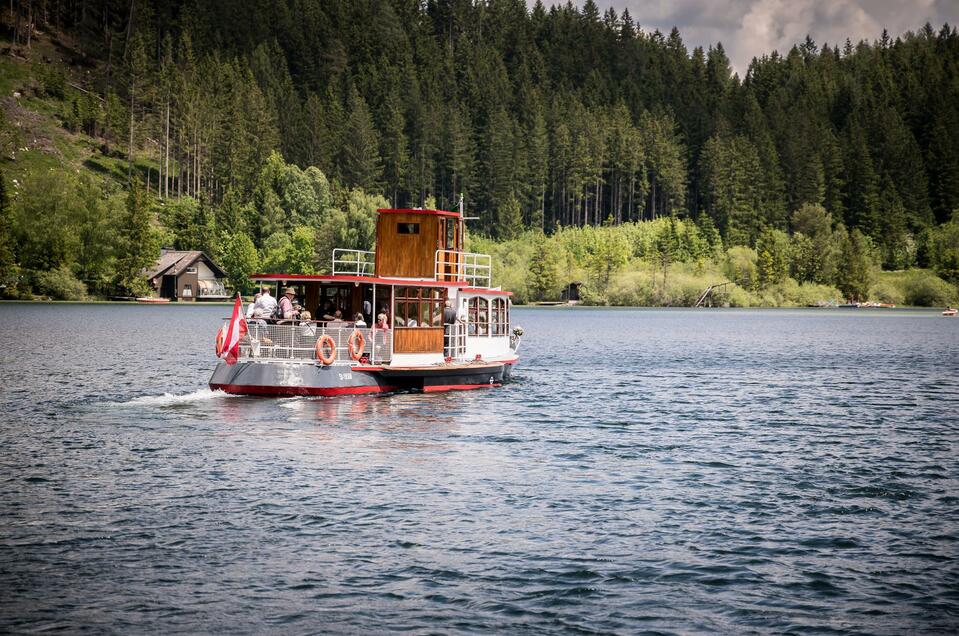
(345, 278)
(413, 211)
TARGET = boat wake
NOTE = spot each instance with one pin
(170, 399)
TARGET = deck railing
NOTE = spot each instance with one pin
(353, 262)
(454, 341)
(297, 341)
(475, 269)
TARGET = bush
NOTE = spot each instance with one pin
(924, 289)
(59, 284)
(887, 291)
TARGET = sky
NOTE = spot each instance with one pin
(751, 28)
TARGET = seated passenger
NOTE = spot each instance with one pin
(411, 322)
(256, 318)
(337, 322)
(328, 311)
(308, 328)
(382, 322)
(359, 322)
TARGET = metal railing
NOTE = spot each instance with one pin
(353, 262)
(475, 269)
(297, 340)
(454, 341)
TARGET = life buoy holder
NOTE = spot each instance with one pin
(326, 342)
(356, 344)
(220, 338)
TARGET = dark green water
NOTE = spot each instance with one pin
(662, 471)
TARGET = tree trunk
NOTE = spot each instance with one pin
(166, 150)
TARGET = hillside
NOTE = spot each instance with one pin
(267, 135)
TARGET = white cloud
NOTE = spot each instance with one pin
(752, 28)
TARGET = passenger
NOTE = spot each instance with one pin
(359, 322)
(256, 318)
(307, 324)
(328, 310)
(287, 311)
(337, 322)
(382, 322)
(266, 302)
(449, 321)
(252, 306)
(411, 322)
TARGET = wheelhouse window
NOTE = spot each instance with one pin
(500, 317)
(407, 228)
(478, 317)
(418, 307)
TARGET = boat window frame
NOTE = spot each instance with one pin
(475, 327)
(499, 317)
(417, 302)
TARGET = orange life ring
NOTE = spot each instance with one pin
(329, 342)
(356, 343)
(220, 337)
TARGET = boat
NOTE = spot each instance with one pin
(950, 312)
(150, 300)
(417, 267)
(850, 306)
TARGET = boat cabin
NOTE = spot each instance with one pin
(418, 265)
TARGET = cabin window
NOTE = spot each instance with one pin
(500, 316)
(450, 234)
(191, 270)
(418, 307)
(478, 317)
(407, 228)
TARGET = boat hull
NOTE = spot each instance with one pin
(291, 378)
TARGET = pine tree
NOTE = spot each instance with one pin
(361, 162)
(138, 245)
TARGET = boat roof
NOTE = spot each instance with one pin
(462, 285)
(418, 211)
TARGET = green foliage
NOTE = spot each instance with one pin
(921, 288)
(543, 281)
(857, 264)
(927, 290)
(138, 242)
(773, 256)
(509, 219)
(237, 256)
(59, 284)
(292, 252)
(741, 267)
(944, 249)
(52, 80)
(9, 270)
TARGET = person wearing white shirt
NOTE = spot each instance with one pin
(266, 302)
(252, 306)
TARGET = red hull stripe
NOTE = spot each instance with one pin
(456, 387)
(246, 389)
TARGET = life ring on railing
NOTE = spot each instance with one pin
(220, 338)
(356, 343)
(326, 341)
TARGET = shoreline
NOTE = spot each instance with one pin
(552, 307)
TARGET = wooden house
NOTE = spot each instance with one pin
(187, 276)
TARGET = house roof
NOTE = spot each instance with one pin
(174, 262)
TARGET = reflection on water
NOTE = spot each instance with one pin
(686, 471)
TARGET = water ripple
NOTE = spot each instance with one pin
(716, 471)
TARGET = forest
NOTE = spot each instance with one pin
(591, 149)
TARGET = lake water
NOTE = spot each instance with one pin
(647, 470)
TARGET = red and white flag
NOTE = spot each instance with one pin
(234, 332)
